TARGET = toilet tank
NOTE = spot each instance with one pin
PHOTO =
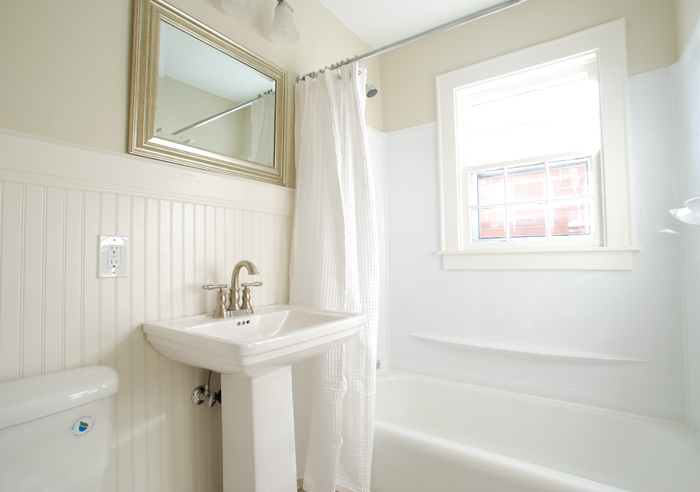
(56, 430)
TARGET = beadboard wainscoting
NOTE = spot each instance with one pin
(186, 228)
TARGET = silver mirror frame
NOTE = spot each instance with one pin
(143, 141)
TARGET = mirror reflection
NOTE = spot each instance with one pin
(211, 101)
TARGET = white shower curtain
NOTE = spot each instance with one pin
(335, 266)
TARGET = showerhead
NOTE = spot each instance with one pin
(371, 90)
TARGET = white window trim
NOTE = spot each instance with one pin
(617, 248)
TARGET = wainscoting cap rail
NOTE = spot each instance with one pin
(39, 160)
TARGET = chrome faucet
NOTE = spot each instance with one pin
(239, 302)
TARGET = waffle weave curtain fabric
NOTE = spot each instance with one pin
(334, 266)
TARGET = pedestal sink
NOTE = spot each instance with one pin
(253, 353)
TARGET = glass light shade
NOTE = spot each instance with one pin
(238, 8)
(283, 29)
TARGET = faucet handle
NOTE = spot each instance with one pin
(220, 311)
(245, 296)
(212, 287)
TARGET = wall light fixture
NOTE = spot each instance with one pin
(283, 29)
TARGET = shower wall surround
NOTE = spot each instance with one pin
(377, 154)
(55, 199)
(686, 78)
(635, 314)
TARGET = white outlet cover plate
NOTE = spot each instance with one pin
(104, 270)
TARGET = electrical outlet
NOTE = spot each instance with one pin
(113, 253)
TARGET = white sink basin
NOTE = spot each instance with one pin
(273, 336)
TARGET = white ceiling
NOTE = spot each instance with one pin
(382, 22)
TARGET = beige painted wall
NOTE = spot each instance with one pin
(66, 65)
(67, 73)
(687, 15)
(408, 74)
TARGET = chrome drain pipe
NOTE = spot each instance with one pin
(202, 394)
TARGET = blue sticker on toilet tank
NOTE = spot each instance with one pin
(82, 425)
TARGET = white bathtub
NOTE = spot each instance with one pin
(439, 436)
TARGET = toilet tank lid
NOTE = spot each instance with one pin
(31, 398)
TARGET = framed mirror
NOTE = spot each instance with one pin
(201, 100)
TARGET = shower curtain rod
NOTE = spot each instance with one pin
(222, 114)
(455, 23)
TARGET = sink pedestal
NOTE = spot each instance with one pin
(254, 354)
(257, 413)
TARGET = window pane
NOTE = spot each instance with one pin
(571, 218)
(572, 114)
(523, 106)
(485, 148)
(527, 120)
(526, 183)
(522, 142)
(527, 220)
(490, 187)
(569, 98)
(485, 114)
(569, 178)
(491, 223)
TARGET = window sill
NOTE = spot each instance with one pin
(594, 258)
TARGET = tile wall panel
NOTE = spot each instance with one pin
(686, 79)
(634, 314)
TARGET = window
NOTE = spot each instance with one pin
(534, 158)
